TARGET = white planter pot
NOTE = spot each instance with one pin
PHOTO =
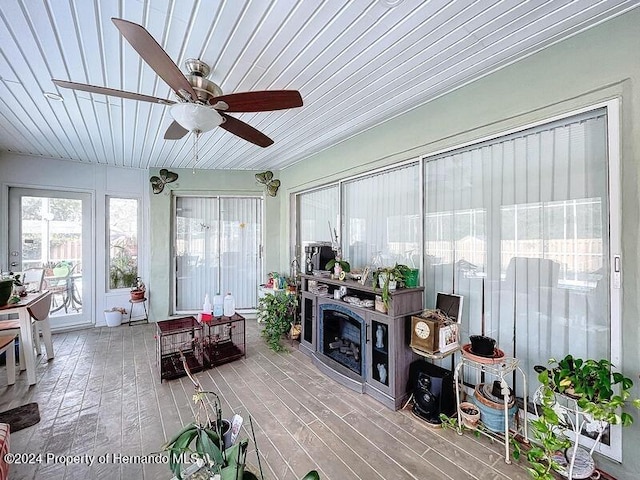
(382, 278)
(113, 319)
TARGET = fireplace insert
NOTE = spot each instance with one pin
(341, 336)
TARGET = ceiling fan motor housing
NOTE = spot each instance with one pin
(198, 71)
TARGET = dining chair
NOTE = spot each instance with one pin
(40, 320)
(33, 279)
(40, 323)
(58, 285)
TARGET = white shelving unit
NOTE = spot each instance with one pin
(500, 370)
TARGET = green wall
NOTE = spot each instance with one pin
(597, 65)
(203, 182)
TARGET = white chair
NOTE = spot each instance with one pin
(40, 323)
(40, 319)
(8, 347)
(33, 279)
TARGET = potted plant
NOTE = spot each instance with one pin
(409, 275)
(338, 265)
(19, 288)
(113, 316)
(138, 290)
(204, 442)
(599, 392)
(388, 279)
(277, 311)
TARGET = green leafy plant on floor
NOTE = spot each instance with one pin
(201, 441)
(277, 310)
(447, 422)
(599, 391)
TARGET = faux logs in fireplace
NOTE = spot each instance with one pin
(342, 336)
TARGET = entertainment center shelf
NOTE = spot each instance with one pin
(361, 348)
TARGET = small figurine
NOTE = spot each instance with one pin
(382, 371)
(380, 337)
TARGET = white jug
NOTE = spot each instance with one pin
(229, 305)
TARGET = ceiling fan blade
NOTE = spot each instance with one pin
(111, 92)
(258, 101)
(152, 53)
(246, 131)
(175, 131)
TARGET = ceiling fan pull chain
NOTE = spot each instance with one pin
(196, 135)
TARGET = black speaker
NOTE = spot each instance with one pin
(433, 392)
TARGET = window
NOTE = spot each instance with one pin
(522, 226)
(316, 211)
(382, 217)
(122, 235)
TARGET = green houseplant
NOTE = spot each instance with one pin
(343, 264)
(201, 442)
(384, 277)
(601, 394)
(277, 310)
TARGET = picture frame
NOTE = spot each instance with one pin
(365, 275)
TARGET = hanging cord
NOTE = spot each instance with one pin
(196, 137)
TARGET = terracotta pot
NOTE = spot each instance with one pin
(470, 414)
(137, 294)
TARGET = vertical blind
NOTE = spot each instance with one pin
(316, 211)
(382, 218)
(519, 227)
(217, 250)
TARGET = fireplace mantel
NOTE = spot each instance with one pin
(384, 347)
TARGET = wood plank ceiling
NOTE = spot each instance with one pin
(356, 63)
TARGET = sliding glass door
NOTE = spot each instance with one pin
(217, 249)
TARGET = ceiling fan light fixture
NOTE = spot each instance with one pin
(193, 116)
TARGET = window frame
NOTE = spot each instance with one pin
(108, 199)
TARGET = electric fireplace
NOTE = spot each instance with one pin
(341, 340)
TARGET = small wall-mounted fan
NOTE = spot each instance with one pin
(200, 105)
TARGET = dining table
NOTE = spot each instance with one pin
(34, 305)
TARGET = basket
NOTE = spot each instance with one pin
(294, 333)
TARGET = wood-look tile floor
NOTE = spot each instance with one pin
(102, 395)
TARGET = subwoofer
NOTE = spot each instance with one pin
(432, 391)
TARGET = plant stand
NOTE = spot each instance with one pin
(577, 419)
(145, 319)
(506, 366)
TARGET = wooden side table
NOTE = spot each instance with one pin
(143, 301)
